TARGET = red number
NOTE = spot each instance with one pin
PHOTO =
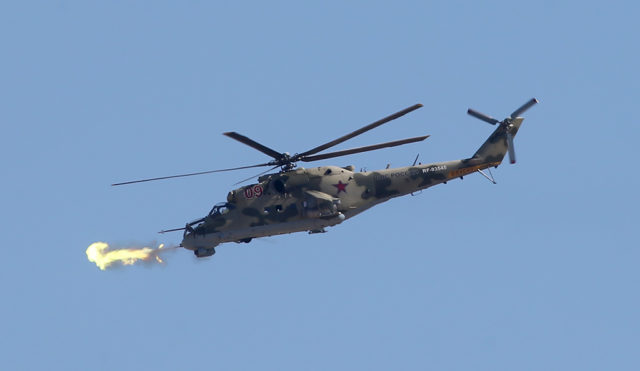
(248, 193)
(257, 190)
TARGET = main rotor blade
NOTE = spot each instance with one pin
(252, 143)
(359, 131)
(190, 174)
(363, 149)
(523, 108)
(482, 116)
(257, 175)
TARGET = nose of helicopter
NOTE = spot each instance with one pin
(198, 243)
(188, 240)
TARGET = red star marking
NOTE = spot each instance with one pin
(342, 187)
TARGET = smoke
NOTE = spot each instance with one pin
(105, 257)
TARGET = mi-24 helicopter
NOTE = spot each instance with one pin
(297, 199)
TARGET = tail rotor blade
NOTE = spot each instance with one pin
(482, 116)
(512, 152)
(523, 108)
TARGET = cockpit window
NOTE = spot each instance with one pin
(279, 186)
(220, 209)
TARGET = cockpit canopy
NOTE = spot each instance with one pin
(221, 208)
(218, 210)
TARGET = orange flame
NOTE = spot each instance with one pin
(99, 253)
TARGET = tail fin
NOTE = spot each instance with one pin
(495, 147)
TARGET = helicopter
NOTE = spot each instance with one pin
(297, 199)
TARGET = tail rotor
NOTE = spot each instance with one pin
(507, 124)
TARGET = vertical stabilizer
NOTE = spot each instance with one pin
(501, 140)
(496, 146)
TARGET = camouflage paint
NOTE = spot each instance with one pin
(311, 199)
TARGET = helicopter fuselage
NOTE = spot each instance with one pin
(298, 199)
(315, 198)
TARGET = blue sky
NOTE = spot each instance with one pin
(536, 272)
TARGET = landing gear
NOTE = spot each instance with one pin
(202, 252)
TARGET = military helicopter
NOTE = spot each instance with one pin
(296, 199)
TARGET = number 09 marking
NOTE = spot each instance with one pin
(253, 192)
